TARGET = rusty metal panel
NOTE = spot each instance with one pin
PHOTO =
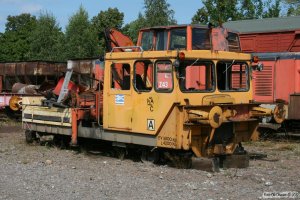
(31, 68)
(2, 67)
(10, 69)
(219, 41)
(1, 83)
(83, 66)
(20, 68)
(294, 107)
(42, 69)
(31, 72)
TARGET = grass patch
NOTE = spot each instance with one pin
(259, 143)
(297, 150)
(9, 122)
(286, 147)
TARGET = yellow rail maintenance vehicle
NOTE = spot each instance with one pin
(179, 95)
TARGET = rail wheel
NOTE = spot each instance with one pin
(60, 141)
(179, 160)
(30, 136)
(120, 152)
(150, 156)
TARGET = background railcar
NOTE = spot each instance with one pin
(19, 79)
(276, 41)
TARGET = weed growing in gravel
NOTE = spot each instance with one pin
(286, 147)
(297, 150)
(9, 122)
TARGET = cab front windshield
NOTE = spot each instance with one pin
(205, 76)
(232, 76)
(196, 76)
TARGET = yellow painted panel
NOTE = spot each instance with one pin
(120, 111)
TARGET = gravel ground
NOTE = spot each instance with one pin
(41, 172)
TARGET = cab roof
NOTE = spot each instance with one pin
(175, 26)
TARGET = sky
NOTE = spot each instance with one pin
(64, 9)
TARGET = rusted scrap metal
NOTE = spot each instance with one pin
(20, 88)
(31, 68)
(219, 39)
(29, 73)
(77, 86)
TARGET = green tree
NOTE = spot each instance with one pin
(15, 42)
(218, 12)
(133, 27)
(2, 46)
(157, 13)
(293, 7)
(46, 41)
(112, 18)
(251, 9)
(273, 10)
(81, 39)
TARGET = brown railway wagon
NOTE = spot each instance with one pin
(31, 72)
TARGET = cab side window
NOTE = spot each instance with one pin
(201, 39)
(143, 76)
(163, 76)
(120, 74)
(178, 39)
(161, 40)
(147, 40)
(232, 76)
(233, 42)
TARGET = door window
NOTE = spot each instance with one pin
(164, 76)
(120, 74)
(143, 76)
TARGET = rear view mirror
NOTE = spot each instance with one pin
(259, 67)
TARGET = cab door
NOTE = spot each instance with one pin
(119, 97)
(152, 95)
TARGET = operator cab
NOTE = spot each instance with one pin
(188, 37)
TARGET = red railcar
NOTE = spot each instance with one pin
(276, 41)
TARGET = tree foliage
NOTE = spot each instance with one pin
(80, 37)
(251, 9)
(215, 12)
(29, 38)
(15, 42)
(111, 18)
(133, 27)
(157, 13)
(293, 7)
(47, 39)
(218, 12)
(273, 10)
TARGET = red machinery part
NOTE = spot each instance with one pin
(72, 86)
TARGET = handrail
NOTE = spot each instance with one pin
(127, 47)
